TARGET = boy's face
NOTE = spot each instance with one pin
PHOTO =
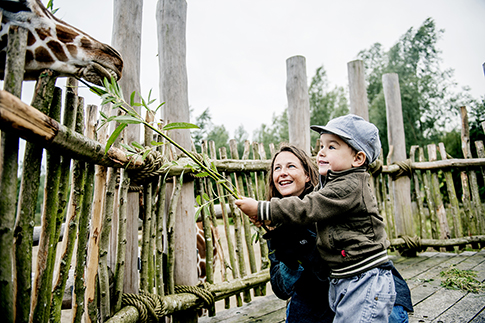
(336, 154)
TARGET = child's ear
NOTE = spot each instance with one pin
(359, 159)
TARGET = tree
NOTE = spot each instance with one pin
(208, 131)
(240, 135)
(325, 105)
(429, 101)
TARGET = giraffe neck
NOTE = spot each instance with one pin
(54, 44)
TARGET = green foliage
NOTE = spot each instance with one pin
(462, 279)
(276, 133)
(324, 104)
(50, 6)
(430, 103)
(112, 94)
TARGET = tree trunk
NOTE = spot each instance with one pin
(171, 26)
(14, 74)
(395, 128)
(127, 28)
(357, 89)
(298, 103)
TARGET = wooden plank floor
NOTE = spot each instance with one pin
(432, 303)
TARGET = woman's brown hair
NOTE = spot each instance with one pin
(308, 166)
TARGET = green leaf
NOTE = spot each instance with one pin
(206, 197)
(137, 145)
(98, 91)
(159, 106)
(127, 119)
(202, 174)
(145, 154)
(132, 98)
(113, 136)
(156, 143)
(180, 125)
(197, 213)
(128, 148)
(198, 199)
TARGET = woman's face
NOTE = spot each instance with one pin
(289, 176)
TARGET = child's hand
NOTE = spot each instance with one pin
(249, 207)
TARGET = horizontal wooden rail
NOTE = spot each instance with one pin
(185, 301)
(442, 242)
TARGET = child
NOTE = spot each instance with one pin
(350, 231)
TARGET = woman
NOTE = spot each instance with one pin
(297, 272)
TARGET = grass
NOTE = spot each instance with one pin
(462, 279)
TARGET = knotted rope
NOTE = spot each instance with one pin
(151, 307)
(412, 243)
(375, 168)
(200, 291)
(153, 166)
(404, 169)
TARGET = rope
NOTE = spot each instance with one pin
(151, 307)
(201, 291)
(412, 243)
(153, 166)
(404, 169)
(375, 168)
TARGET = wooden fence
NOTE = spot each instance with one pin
(456, 222)
(86, 191)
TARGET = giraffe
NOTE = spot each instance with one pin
(54, 44)
(201, 251)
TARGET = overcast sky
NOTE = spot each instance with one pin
(237, 49)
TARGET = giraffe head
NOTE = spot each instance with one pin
(56, 45)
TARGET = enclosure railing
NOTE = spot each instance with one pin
(443, 218)
(86, 187)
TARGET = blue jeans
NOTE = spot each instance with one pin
(367, 297)
(398, 315)
(301, 310)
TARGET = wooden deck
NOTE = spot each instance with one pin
(432, 303)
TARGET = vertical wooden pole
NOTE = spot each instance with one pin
(171, 29)
(127, 27)
(450, 186)
(14, 74)
(435, 186)
(419, 195)
(298, 103)
(357, 89)
(395, 133)
(476, 201)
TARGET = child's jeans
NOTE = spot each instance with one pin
(367, 297)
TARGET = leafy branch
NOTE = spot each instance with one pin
(113, 94)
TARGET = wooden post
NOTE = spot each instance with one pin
(127, 26)
(357, 89)
(298, 103)
(395, 132)
(171, 25)
(465, 146)
(14, 70)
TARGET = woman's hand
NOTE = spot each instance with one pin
(250, 207)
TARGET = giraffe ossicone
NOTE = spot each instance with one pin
(54, 44)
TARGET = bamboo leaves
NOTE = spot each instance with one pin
(112, 94)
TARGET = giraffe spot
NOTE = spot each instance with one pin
(42, 55)
(64, 34)
(72, 50)
(29, 56)
(30, 39)
(42, 33)
(57, 49)
(86, 43)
